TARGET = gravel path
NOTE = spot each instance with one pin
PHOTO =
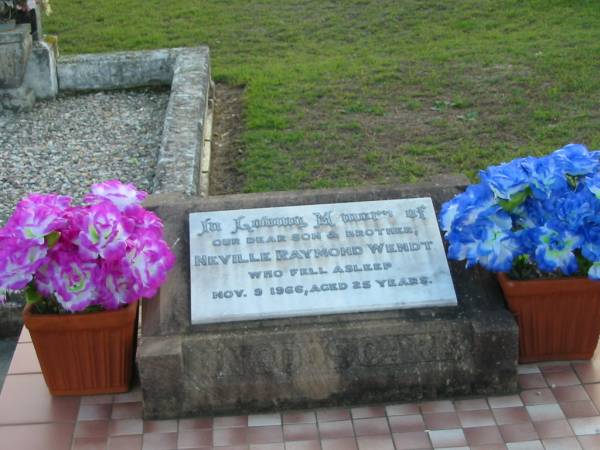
(67, 144)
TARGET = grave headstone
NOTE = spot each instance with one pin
(317, 259)
(359, 347)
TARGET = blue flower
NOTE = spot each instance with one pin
(489, 240)
(570, 210)
(506, 179)
(546, 177)
(498, 246)
(465, 208)
(546, 210)
(592, 182)
(554, 250)
(529, 214)
(575, 159)
(591, 232)
(594, 271)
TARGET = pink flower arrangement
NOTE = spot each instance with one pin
(102, 255)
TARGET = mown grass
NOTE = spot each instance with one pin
(352, 92)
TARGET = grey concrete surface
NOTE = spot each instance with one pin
(7, 348)
(11, 315)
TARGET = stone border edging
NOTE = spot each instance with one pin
(187, 71)
(119, 70)
(178, 166)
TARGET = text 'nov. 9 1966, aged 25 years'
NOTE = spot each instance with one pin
(250, 264)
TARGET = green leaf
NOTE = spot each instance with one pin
(94, 237)
(32, 296)
(572, 180)
(52, 238)
(583, 263)
(516, 200)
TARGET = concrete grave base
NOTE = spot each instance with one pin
(391, 356)
(17, 99)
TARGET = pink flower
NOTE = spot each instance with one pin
(145, 223)
(38, 215)
(115, 283)
(123, 196)
(102, 232)
(71, 279)
(43, 281)
(19, 259)
(107, 253)
(150, 261)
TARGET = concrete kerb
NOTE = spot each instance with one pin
(187, 71)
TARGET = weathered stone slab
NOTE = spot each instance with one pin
(40, 75)
(317, 259)
(307, 361)
(178, 165)
(15, 47)
(162, 360)
(119, 70)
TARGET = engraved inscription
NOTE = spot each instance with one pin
(317, 259)
(234, 359)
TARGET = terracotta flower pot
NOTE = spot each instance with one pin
(559, 319)
(85, 354)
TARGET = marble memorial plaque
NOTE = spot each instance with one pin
(264, 263)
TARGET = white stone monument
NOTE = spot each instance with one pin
(317, 259)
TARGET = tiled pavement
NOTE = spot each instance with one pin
(557, 409)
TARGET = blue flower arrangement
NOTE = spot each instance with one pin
(531, 217)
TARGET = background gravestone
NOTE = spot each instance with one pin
(27, 70)
(15, 48)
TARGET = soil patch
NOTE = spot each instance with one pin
(227, 144)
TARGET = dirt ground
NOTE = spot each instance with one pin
(227, 146)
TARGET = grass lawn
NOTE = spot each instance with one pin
(354, 92)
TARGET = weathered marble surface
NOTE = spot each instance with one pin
(263, 263)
